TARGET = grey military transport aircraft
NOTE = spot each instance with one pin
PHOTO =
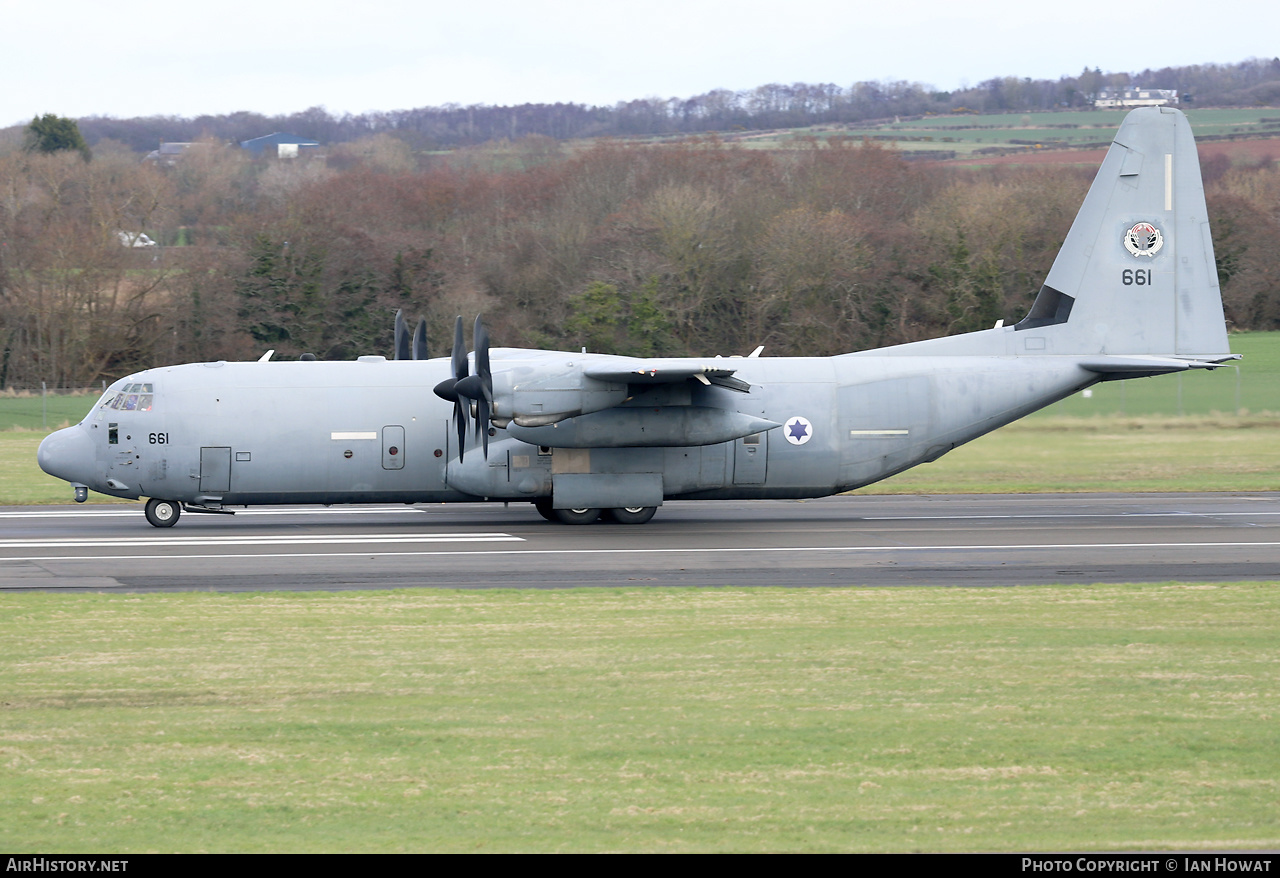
(1132, 293)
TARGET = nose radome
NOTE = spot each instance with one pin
(67, 454)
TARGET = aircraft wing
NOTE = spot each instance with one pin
(663, 370)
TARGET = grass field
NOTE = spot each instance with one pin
(965, 134)
(1046, 718)
(34, 412)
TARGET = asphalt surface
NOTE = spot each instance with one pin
(998, 540)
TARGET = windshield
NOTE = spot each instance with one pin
(129, 398)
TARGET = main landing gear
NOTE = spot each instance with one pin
(162, 513)
(625, 515)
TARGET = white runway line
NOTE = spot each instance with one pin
(233, 540)
(852, 550)
(133, 511)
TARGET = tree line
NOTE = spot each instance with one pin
(1254, 82)
(695, 247)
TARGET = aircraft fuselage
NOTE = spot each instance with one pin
(231, 434)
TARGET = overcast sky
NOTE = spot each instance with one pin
(91, 57)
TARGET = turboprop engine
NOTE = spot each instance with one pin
(566, 400)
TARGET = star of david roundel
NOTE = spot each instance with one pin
(798, 430)
(1143, 239)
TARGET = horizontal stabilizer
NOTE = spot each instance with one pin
(1124, 366)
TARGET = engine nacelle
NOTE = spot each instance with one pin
(537, 396)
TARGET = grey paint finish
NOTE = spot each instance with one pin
(1133, 292)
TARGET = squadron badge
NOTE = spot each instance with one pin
(1143, 239)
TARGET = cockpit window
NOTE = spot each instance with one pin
(130, 398)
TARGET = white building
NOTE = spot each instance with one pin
(1135, 97)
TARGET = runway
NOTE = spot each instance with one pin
(994, 540)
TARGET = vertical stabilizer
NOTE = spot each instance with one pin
(1136, 274)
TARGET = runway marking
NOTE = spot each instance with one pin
(693, 551)
(133, 511)
(1058, 515)
(233, 540)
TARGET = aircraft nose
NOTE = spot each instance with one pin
(67, 454)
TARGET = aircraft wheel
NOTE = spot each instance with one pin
(162, 513)
(630, 514)
(545, 510)
(577, 516)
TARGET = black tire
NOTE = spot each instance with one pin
(545, 510)
(577, 516)
(162, 513)
(630, 514)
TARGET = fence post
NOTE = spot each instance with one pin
(44, 405)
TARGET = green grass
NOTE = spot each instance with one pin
(965, 133)
(1065, 455)
(1109, 717)
(33, 412)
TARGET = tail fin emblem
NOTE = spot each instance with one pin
(1143, 239)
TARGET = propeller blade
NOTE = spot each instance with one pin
(481, 339)
(402, 338)
(482, 424)
(420, 341)
(460, 422)
(484, 378)
(459, 354)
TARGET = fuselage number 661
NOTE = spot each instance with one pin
(1140, 277)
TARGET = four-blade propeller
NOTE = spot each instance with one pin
(467, 391)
